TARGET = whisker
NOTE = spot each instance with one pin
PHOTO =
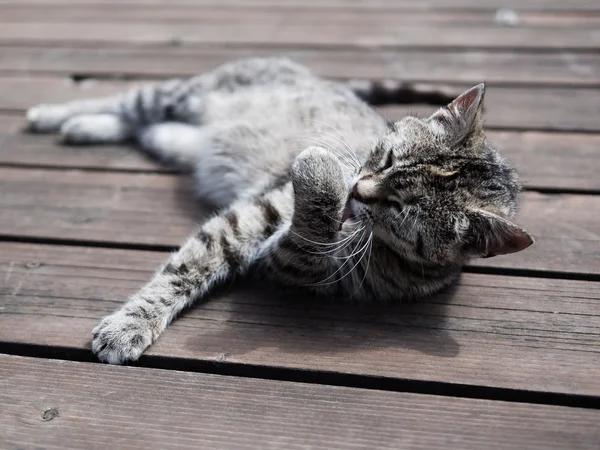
(343, 160)
(367, 268)
(322, 282)
(325, 244)
(342, 244)
(344, 146)
(351, 159)
(348, 145)
(363, 251)
(383, 115)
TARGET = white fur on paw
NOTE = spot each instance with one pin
(46, 118)
(120, 338)
(94, 129)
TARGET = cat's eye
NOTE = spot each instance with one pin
(389, 161)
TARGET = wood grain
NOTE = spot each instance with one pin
(544, 160)
(488, 5)
(90, 405)
(516, 108)
(451, 66)
(154, 209)
(509, 332)
(297, 13)
(25, 149)
(345, 27)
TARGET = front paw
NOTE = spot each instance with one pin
(320, 191)
(121, 337)
(317, 172)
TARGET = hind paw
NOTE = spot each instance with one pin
(46, 118)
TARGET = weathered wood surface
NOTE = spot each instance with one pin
(489, 5)
(299, 34)
(544, 160)
(289, 13)
(536, 337)
(52, 24)
(448, 66)
(157, 209)
(510, 332)
(68, 405)
(517, 108)
(24, 149)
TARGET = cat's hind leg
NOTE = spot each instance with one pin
(177, 144)
(138, 107)
(49, 118)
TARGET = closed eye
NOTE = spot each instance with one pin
(401, 203)
(394, 201)
(389, 161)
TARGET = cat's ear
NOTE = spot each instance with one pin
(464, 115)
(490, 235)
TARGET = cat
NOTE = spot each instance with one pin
(365, 210)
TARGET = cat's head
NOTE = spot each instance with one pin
(437, 191)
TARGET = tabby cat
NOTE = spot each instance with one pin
(316, 191)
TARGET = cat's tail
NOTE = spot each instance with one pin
(388, 91)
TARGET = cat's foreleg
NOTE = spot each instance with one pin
(300, 254)
(225, 245)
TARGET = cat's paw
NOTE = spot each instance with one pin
(120, 338)
(94, 129)
(46, 118)
(317, 171)
(320, 191)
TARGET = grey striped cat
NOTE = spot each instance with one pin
(316, 191)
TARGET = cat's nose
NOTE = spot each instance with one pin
(363, 195)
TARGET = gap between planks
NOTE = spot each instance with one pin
(546, 162)
(53, 399)
(343, 28)
(161, 209)
(497, 68)
(561, 109)
(493, 332)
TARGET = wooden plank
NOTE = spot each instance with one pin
(212, 411)
(518, 108)
(544, 160)
(488, 5)
(450, 66)
(507, 332)
(153, 209)
(349, 28)
(296, 13)
(552, 160)
(25, 149)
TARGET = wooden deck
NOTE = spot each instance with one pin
(508, 359)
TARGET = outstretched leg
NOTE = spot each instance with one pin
(225, 245)
(135, 108)
(95, 129)
(174, 100)
(230, 243)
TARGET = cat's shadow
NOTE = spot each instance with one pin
(250, 321)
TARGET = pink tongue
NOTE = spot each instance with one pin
(347, 214)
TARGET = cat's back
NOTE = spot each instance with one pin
(297, 105)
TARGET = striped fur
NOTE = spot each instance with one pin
(315, 189)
